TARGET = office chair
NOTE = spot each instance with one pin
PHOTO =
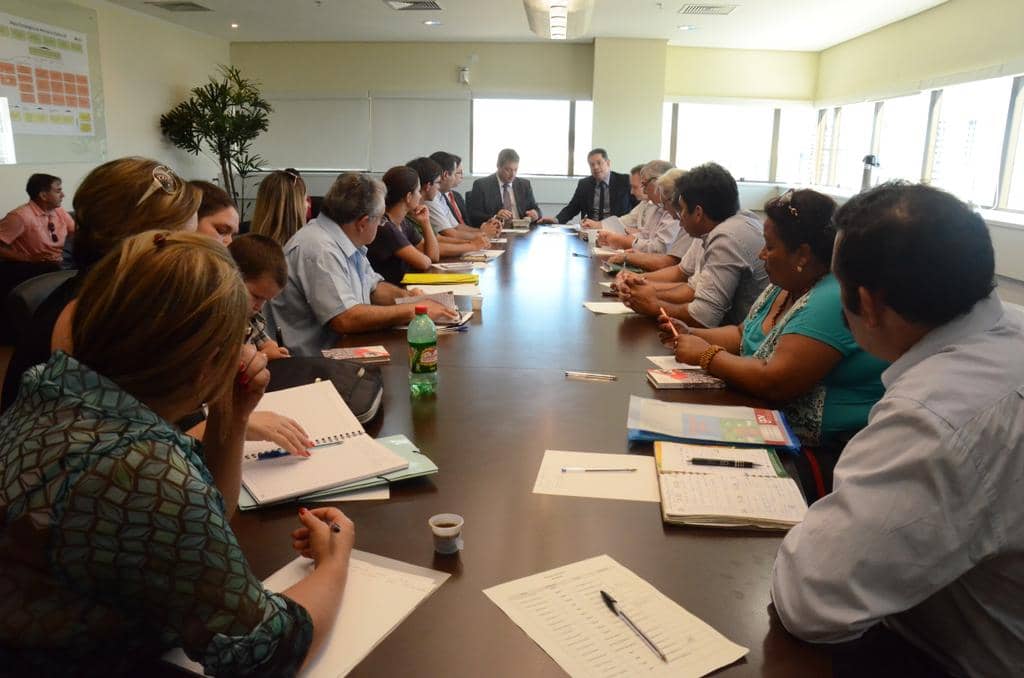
(25, 298)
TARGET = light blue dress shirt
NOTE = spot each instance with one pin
(327, 275)
(658, 231)
(925, 528)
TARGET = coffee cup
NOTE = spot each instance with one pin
(447, 530)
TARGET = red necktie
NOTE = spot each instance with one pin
(455, 208)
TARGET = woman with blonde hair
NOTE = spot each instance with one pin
(115, 543)
(116, 200)
(280, 206)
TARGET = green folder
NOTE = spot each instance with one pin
(419, 465)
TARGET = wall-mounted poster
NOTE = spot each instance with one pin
(44, 74)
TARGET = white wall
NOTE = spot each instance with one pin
(147, 67)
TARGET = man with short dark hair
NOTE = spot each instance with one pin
(917, 556)
(503, 194)
(332, 290)
(598, 196)
(446, 217)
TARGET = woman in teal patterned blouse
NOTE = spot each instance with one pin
(114, 535)
(794, 349)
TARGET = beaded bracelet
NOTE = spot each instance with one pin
(708, 355)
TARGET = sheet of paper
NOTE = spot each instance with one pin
(675, 458)
(562, 611)
(366, 494)
(668, 362)
(613, 224)
(605, 251)
(464, 290)
(639, 485)
(498, 241)
(608, 307)
(379, 595)
(515, 231)
(744, 500)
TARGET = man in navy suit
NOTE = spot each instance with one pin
(503, 194)
(598, 196)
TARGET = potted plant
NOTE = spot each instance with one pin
(222, 118)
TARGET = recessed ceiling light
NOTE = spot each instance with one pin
(688, 27)
(234, 25)
(431, 22)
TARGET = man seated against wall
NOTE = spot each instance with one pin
(732, 274)
(638, 196)
(450, 228)
(598, 196)
(332, 290)
(32, 235)
(912, 566)
(503, 195)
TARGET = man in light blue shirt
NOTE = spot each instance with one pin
(914, 565)
(332, 290)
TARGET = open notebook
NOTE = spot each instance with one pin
(719, 496)
(343, 454)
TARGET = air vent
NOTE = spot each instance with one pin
(413, 5)
(707, 9)
(179, 6)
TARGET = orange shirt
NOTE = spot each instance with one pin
(25, 233)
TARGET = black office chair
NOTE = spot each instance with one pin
(25, 298)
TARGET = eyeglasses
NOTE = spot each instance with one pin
(163, 180)
(785, 200)
(647, 181)
(53, 232)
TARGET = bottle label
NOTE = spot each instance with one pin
(423, 359)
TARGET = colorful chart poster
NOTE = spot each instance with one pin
(44, 73)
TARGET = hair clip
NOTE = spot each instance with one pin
(159, 240)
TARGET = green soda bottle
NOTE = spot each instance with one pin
(422, 354)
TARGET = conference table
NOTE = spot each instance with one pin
(502, 400)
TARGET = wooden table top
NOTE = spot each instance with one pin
(503, 400)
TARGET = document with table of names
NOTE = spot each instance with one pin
(562, 611)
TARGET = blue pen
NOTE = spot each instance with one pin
(272, 454)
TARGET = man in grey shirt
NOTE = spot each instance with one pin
(915, 563)
(731, 272)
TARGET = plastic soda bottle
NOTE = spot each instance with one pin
(422, 354)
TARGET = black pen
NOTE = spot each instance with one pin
(280, 338)
(731, 463)
(577, 254)
(614, 607)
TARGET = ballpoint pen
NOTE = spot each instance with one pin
(614, 607)
(732, 463)
(584, 469)
(590, 376)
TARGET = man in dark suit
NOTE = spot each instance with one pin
(503, 194)
(598, 196)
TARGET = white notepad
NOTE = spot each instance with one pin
(638, 485)
(608, 307)
(561, 610)
(345, 453)
(379, 594)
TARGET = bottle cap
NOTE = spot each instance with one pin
(421, 310)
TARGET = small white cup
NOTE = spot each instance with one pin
(447, 529)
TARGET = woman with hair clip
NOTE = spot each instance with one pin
(114, 535)
(280, 208)
(794, 349)
(116, 200)
(399, 246)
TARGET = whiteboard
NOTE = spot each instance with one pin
(317, 134)
(405, 128)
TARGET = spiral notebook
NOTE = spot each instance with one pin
(344, 453)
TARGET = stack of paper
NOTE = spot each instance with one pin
(683, 379)
(722, 496)
(482, 255)
(446, 299)
(379, 594)
(562, 611)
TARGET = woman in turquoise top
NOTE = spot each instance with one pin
(114, 535)
(794, 349)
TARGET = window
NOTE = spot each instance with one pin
(826, 125)
(856, 123)
(538, 129)
(738, 138)
(902, 137)
(969, 139)
(798, 142)
(666, 130)
(584, 138)
(1015, 200)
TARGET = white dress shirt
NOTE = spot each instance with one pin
(658, 231)
(925, 528)
(441, 216)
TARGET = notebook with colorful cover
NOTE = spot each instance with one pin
(764, 496)
(367, 355)
(651, 420)
(344, 453)
(696, 379)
